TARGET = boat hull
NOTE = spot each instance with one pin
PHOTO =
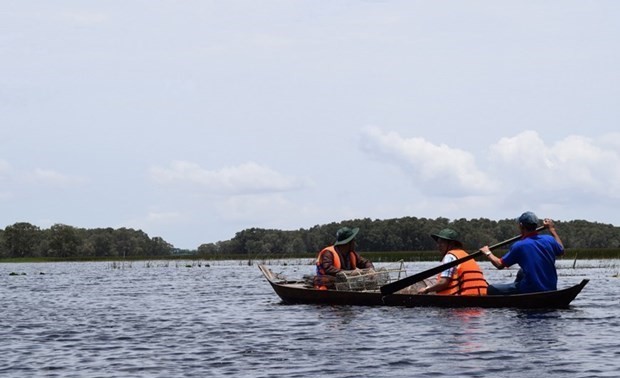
(295, 292)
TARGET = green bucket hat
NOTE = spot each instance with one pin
(446, 234)
(345, 235)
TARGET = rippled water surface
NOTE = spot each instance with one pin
(178, 319)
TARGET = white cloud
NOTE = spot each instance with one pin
(256, 207)
(248, 178)
(570, 166)
(52, 178)
(570, 177)
(37, 176)
(435, 169)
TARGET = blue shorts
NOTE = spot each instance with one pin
(503, 289)
(506, 289)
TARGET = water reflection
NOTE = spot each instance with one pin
(336, 316)
(468, 320)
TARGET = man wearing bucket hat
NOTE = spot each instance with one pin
(535, 255)
(463, 279)
(340, 256)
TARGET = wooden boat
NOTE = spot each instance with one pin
(298, 292)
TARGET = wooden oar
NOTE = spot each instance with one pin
(393, 287)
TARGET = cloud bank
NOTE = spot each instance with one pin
(518, 169)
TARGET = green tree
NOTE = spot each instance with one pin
(159, 247)
(64, 241)
(21, 239)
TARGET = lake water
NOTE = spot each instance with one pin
(172, 319)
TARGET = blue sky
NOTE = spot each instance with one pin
(193, 120)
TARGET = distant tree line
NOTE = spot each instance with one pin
(62, 241)
(406, 234)
(402, 234)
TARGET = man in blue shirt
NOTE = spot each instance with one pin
(535, 255)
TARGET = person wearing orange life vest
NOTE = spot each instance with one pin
(463, 279)
(339, 257)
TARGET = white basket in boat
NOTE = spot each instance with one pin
(367, 279)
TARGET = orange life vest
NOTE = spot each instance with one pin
(467, 278)
(322, 280)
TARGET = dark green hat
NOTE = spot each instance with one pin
(345, 235)
(446, 234)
